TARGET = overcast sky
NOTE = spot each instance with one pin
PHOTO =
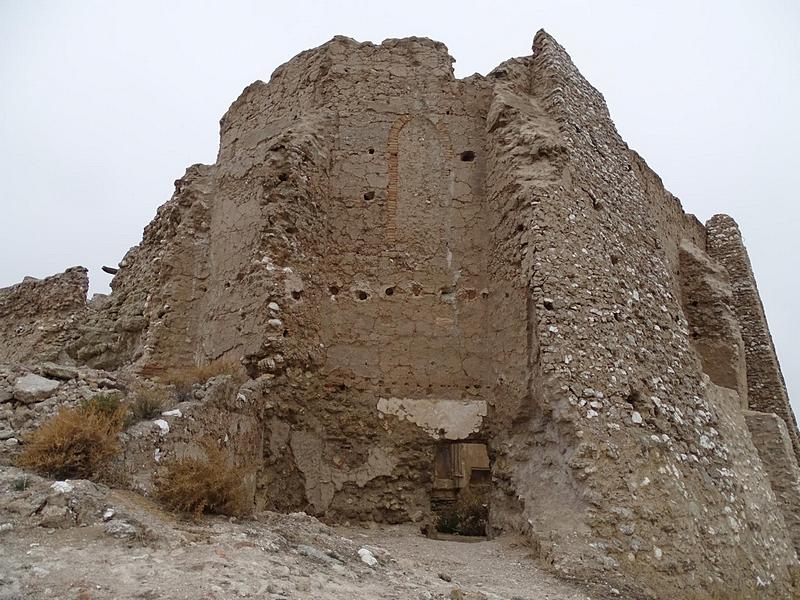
(104, 104)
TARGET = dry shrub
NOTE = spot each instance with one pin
(147, 403)
(77, 442)
(184, 378)
(209, 484)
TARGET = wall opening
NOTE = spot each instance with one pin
(461, 486)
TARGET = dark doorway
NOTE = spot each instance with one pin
(461, 481)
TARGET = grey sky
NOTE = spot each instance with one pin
(104, 104)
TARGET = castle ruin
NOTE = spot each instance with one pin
(434, 283)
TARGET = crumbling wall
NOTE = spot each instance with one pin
(771, 437)
(38, 316)
(647, 440)
(766, 389)
(152, 315)
(707, 300)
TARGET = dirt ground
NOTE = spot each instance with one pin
(83, 541)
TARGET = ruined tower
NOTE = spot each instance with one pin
(404, 261)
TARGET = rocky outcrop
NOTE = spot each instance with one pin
(399, 260)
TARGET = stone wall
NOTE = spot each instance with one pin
(765, 385)
(774, 445)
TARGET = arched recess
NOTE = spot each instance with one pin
(419, 182)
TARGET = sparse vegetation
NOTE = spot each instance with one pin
(106, 403)
(208, 484)
(20, 484)
(147, 403)
(184, 378)
(467, 516)
(77, 442)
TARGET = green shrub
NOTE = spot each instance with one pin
(20, 484)
(106, 403)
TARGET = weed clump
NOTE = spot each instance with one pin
(184, 378)
(467, 516)
(147, 403)
(77, 442)
(208, 484)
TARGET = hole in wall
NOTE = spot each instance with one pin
(461, 486)
(520, 228)
(371, 150)
(369, 195)
(285, 333)
(389, 291)
(283, 176)
(635, 398)
(361, 295)
(468, 156)
(297, 294)
(334, 290)
(614, 259)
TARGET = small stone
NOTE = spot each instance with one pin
(6, 527)
(367, 557)
(12, 441)
(121, 529)
(163, 427)
(276, 323)
(636, 418)
(456, 594)
(62, 487)
(108, 514)
(59, 371)
(172, 413)
(273, 306)
(34, 388)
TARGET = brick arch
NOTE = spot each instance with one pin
(393, 179)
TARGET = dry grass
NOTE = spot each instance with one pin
(205, 485)
(77, 442)
(147, 403)
(183, 378)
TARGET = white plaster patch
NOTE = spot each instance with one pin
(448, 419)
